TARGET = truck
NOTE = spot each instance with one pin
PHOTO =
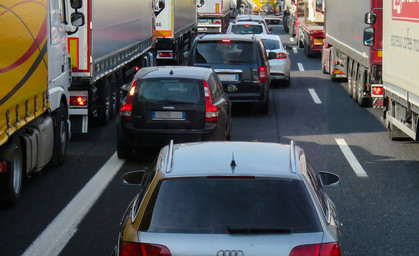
(116, 40)
(213, 16)
(400, 45)
(176, 27)
(35, 75)
(344, 55)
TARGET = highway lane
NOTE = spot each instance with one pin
(379, 212)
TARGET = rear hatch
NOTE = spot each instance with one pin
(169, 103)
(235, 62)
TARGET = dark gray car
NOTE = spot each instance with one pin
(241, 63)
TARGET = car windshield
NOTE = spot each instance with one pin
(169, 90)
(217, 52)
(246, 29)
(219, 205)
(270, 44)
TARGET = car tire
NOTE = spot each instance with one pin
(60, 135)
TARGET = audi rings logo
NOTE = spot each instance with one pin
(230, 253)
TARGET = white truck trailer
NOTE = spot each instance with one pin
(176, 28)
(213, 16)
(35, 73)
(400, 68)
(116, 40)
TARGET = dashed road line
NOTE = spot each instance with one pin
(314, 96)
(294, 49)
(356, 166)
(300, 66)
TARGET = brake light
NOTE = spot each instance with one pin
(166, 54)
(211, 111)
(3, 167)
(376, 90)
(262, 74)
(137, 249)
(226, 41)
(78, 101)
(217, 21)
(126, 109)
(247, 26)
(137, 68)
(329, 249)
(281, 56)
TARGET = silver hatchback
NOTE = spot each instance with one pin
(230, 199)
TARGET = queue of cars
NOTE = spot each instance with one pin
(204, 195)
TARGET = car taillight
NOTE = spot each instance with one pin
(126, 109)
(262, 74)
(3, 166)
(78, 101)
(329, 249)
(142, 249)
(211, 111)
(281, 55)
(166, 54)
(377, 90)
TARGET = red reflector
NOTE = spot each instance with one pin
(154, 250)
(130, 249)
(3, 167)
(226, 41)
(166, 54)
(262, 74)
(78, 101)
(376, 90)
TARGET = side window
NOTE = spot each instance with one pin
(219, 84)
(214, 87)
(262, 52)
(317, 186)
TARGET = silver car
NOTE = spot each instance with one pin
(280, 66)
(230, 199)
(244, 27)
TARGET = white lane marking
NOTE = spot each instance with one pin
(300, 66)
(356, 166)
(314, 96)
(294, 49)
(54, 238)
(292, 39)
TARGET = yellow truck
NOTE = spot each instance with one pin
(35, 73)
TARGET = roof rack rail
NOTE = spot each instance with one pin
(169, 160)
(293, 160)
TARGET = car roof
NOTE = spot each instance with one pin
(230, 158)
(174, 72)
(249, 16)
(241, 37)
(269, 36)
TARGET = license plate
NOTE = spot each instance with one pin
(168, 115)
(205, 21)
(228, 77)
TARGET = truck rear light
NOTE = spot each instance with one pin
(3, 166)
(166, 54)
(126, 109)
(78, 101)
(328, 249)
(217, 22)
(377, 90)
(281, 56)
(262, 74)
(211, 111)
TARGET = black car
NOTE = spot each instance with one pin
(183, 104)
(241, 63)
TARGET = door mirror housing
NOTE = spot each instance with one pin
(76, 4)
(370, 18)
(329, 179)
(77, 19)
(369, 34)
(133, 178)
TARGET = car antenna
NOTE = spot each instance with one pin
(233, 162)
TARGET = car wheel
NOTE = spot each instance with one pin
(60, 135)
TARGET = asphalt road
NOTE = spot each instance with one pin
(379, 211)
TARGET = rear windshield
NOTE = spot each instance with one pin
(205, 205)
(170, 90)
(246, 29)
(231, 52)
(270, 44)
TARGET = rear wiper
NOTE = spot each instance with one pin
(240, 230)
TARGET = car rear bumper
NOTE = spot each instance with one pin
(157, 138)
(246, 93)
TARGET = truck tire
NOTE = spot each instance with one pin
(324, 71)
(104, 109)
(363, 102)
(332, 64)
(14, 176)
(300, 39)
(355, 81)
(349, 75)
(60, 135)
(291, 28)
(286, 22)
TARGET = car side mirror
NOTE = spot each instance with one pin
(369, 36)
(271, 55)
(329, 179)
(186, 54)
(133, 178)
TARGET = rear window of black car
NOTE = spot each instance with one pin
(170, 90)
(246, 29)
(206, 205)
(226, 51)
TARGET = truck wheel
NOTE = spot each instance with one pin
(104, 103)
(114, 96)
(323, 64)
(355, 81)
(60, 135)
(332, 64)
(285, 23)
(349, 75)
(291, 28)
(14, 176)
(360, 88)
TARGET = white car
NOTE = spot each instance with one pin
(247, 28)
(252, 17)
(280, 66)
